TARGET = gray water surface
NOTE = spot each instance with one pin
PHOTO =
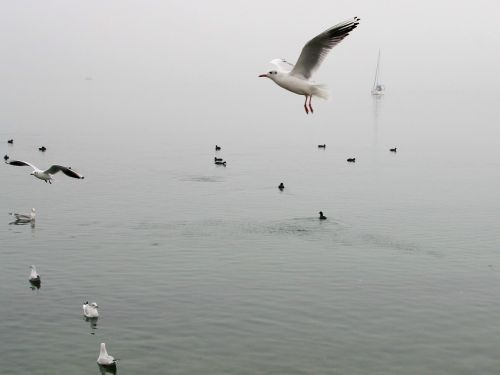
(205, 269)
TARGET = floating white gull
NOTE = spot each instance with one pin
(25, 218)
(90, 310)
(47, 174)
(104, 358)
(295, 78)
(34, 276)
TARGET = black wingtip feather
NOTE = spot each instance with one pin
(17, 163)
(71, 173)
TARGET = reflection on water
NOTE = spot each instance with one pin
(111, 369)
(23, 222)
(376, 108)
(35, 284)
(92, 322)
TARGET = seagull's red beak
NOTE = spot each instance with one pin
(263, 75)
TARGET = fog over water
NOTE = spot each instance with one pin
(199, 268)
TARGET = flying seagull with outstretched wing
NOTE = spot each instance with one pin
(47, 174)
(296, 78)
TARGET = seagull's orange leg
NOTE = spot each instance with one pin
(305, 106)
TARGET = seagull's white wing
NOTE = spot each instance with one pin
(282, 65)
(315, 51)
(67, 171)
(20, 163)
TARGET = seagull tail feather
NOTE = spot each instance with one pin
(321, 91)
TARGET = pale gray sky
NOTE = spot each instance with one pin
(189, 61)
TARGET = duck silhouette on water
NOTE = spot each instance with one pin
(321, 216)
(281, 186)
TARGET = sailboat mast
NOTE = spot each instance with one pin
(377, 71)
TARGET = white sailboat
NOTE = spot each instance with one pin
(378, 88)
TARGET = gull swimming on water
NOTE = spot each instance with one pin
(34, 276)
(24, 218)
(90, 310)
(295, 78)
(47, 174)
(104, 358)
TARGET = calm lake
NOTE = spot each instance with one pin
(203, 269)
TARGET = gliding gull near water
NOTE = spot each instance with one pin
(295, 78)
(47, 174)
